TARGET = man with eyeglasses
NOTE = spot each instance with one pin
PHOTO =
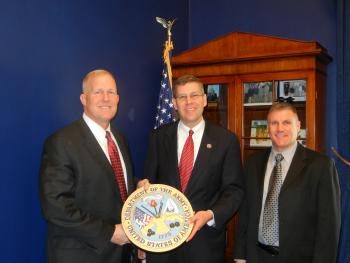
(203, 161)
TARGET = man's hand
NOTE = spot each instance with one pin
(199, 220)
(240, 261)
(143, 183)
(119, 237)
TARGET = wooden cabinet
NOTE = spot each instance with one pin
(248, 72)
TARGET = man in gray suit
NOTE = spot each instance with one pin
(81, 196)
(291, 212)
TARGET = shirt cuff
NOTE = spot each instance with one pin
(211, 222)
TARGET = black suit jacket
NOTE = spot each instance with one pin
(309, 209)
(215, 183)
(79, 196)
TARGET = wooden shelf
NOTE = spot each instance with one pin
(239, 58)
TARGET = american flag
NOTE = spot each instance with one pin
(141, 218)
(165, 108)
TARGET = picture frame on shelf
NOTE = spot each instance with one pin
(259, 134)
(213, 94)
(302, 137)
(257, 93)
(291, 90)
(302, 134)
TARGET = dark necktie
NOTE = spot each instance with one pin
(116, 165)
(270, 228)
(186, 161)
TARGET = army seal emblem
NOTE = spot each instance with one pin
(157, 220)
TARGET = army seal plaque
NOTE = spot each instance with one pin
(157, 220)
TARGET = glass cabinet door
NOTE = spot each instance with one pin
(216, 110)
(258, 96)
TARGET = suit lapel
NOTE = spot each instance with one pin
(170, 148)
(298, 163)
(95, 150)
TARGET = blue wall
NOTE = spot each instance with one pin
(46, 47)
(313, 20)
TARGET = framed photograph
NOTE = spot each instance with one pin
(259, 134)
(302, 137)
(302, 134)
(257, 93)
(213, 92)
(291, 90)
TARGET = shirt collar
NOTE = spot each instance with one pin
(288, 153)
(96, 129)
(200, 126)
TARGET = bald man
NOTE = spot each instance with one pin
(81, 195)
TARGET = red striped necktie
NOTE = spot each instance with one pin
(186, 161)
(116, 165)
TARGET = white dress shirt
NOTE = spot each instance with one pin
(182, 134)
(288, 155)
(100, 135)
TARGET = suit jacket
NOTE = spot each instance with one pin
(216, 184)
(79, 196)
(309, 209)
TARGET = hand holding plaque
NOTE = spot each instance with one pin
(157, 219)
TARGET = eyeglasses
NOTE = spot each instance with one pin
(288, 100)
(192, 96)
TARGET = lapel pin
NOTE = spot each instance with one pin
(209, 146)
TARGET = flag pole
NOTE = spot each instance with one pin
(168, 44)
(168, 48)
(165, 108)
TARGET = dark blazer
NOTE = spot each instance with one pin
(79, 196)
(309, 209)
(215, 183)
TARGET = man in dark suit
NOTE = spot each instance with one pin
(214, 187)
(81, 196)
(305, 227)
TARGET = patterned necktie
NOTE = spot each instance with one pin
(186, 161)
(116, 165)
(270, 227)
